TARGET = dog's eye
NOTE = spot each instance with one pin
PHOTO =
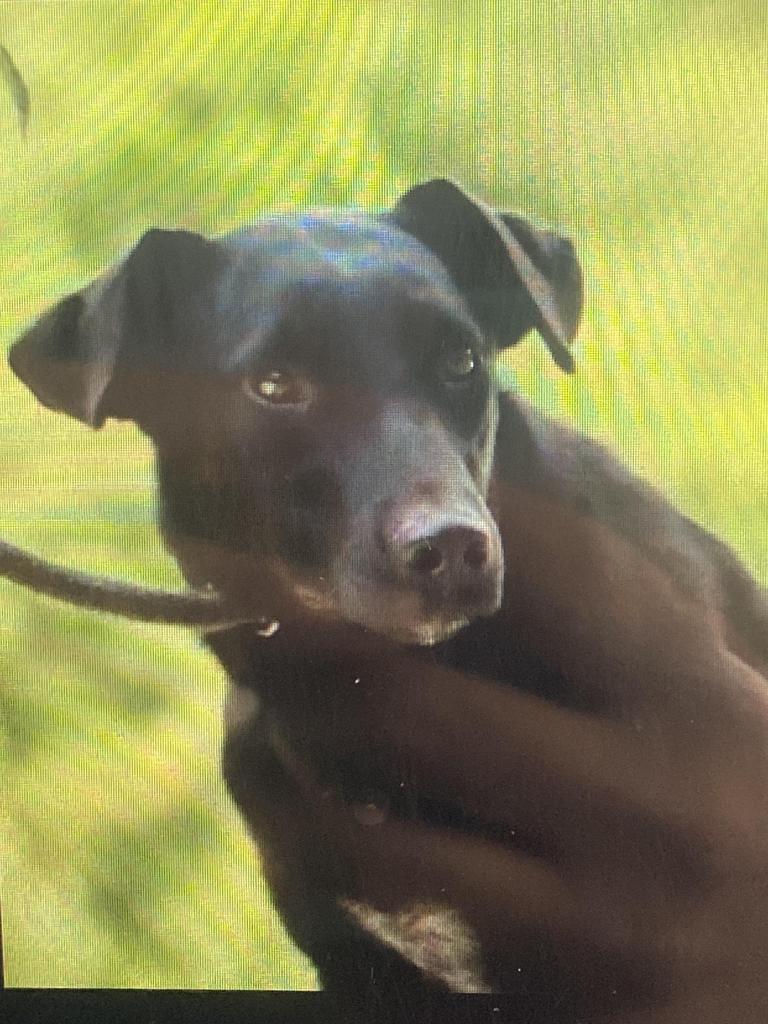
(457, 364)
(278, 387)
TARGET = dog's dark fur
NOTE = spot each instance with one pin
(365, 497)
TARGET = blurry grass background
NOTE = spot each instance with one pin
(637, 128)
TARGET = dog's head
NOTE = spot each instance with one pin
(319, 390)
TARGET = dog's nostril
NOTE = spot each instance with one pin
(476, 554)
(453, 550)
(425, 557)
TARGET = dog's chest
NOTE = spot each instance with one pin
(310, 701)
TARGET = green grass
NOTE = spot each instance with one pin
(639, 129)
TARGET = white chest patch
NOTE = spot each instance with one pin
(432, 936)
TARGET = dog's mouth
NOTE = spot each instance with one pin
(430, 633)
(398, 615)
(419, 596)
(267, 590)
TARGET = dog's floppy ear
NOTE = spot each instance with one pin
(514, 276)
(70, 357)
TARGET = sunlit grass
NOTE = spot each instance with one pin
(637, 129)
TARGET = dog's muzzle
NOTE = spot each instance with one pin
(449, 559)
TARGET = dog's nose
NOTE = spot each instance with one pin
(443, 557)
(453, 561)
(458, 551)
(443, 564)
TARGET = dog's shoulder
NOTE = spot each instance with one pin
(536, 451)
(539, 451)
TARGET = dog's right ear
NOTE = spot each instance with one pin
(71, 356)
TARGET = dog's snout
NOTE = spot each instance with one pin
(457, 549)
(447, 559)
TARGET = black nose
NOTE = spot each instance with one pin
(446, 561)
(458, 551)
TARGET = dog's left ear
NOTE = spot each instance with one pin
(514, 276)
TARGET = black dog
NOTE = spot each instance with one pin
(320, 393)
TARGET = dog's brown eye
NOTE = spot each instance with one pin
(278, 387)
(458, 364)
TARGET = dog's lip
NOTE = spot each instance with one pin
(430, 637)
(322, 599)
(434, 632)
